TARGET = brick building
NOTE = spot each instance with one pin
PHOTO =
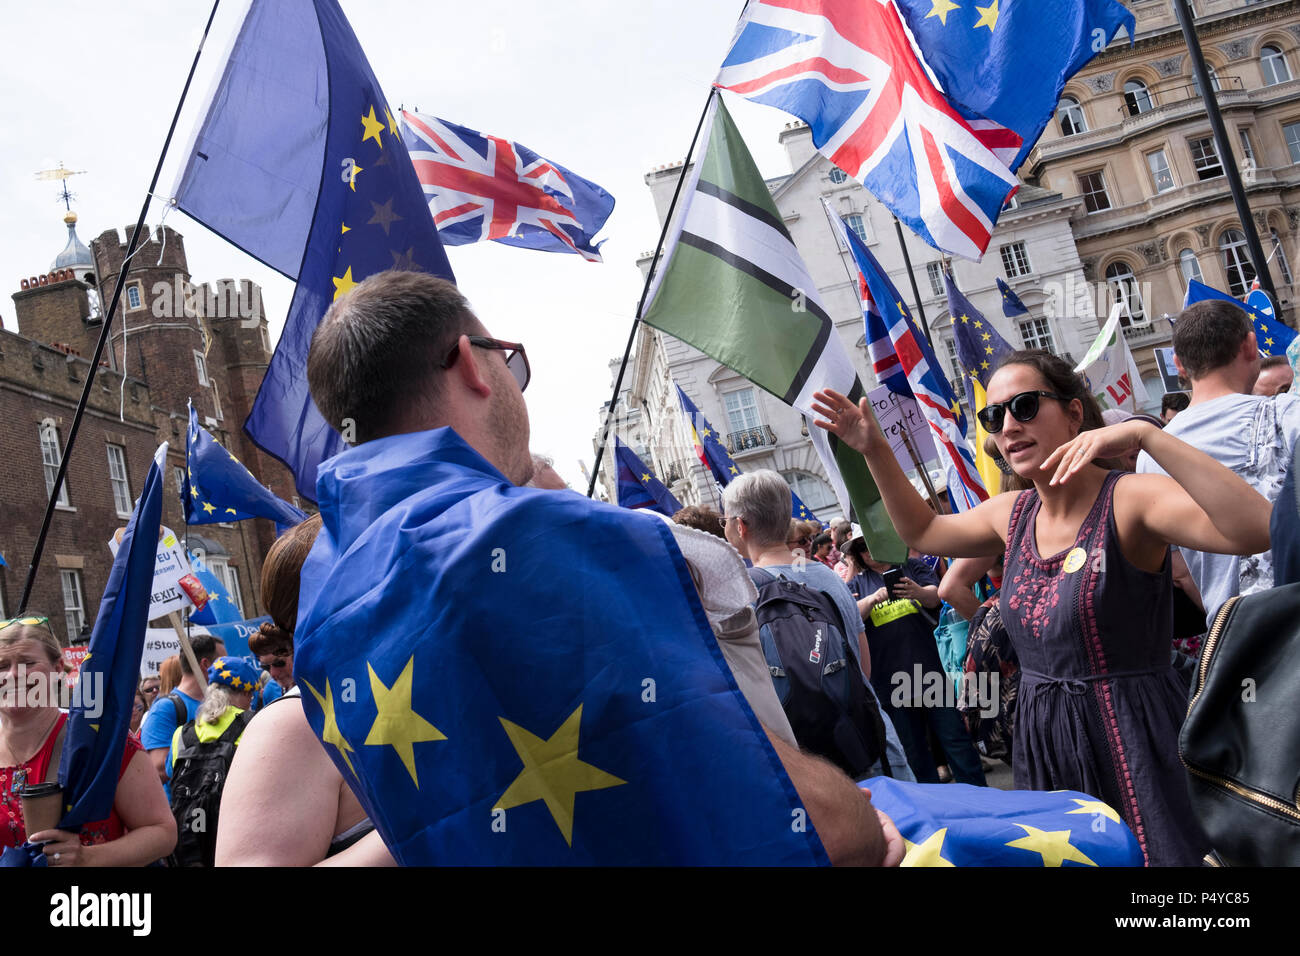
(171, 342)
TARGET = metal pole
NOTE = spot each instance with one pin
(107, 327)
(645, 291)
(1224, 145)
(907, 260)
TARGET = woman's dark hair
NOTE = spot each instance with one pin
(281, 575)
(821, 539)
(1063, 380)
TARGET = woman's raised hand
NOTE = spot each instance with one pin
(1112, 441)
(855, 425)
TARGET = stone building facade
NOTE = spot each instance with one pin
(171, 342)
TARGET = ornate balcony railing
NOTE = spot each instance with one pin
(749, 439)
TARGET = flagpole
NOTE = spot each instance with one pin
(645, 291)
(1224, 145)
(108, 324)
(916, 292)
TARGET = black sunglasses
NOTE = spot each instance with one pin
(1023, 408)
(278, 662)
(516, 360)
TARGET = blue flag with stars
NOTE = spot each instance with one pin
(221, 607)
(218, 488)
(1010, 63)
(980, 347)
(637, 485)
(1011, 304)
(300, 162)
(1273, 337)
(957, 824)
(509, 675)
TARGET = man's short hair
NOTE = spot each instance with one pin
(380, 349)
(763, 499)
(204, 647)
(1208, 336)
(1178, 401)
(1273, 361)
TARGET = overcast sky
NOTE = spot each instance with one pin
(608, 89)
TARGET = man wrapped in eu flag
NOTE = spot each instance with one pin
(511, 675)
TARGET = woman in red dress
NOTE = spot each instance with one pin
(140, 828)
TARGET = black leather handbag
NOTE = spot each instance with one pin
(1241, 740)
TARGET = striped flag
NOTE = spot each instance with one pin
(906, 365)
(979, 349)
(734, 286)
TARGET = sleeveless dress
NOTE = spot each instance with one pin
(13, 829)
(1099, 705)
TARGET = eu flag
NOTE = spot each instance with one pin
(300, 162)
(959, 825)
(218, 488)
(1011, 304)
(98, 724)
(509, 675)
(637, 485)
(1010, 65)
(1273, 337)
(980, 347)
(221, 607)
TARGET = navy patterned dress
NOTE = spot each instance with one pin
(1099, 705)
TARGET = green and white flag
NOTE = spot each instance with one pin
(734, 286)
(1109, 369)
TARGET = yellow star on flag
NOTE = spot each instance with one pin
(965, 319)
(396, 724)
(373, 128)
(734, 470)
(352, 178)
(552, 772)
(208, 508)
(989, 349)
(706, 433)
(194, 490)
(1095, 806)
(1268, 342)
(645, 477)
(984, 365)
(1053, 845)
(392, 124)
(345, 227)
(928, 852)
(343, 284)
(978, 323)
(988, 16)
(231, 511)
(331, 733)
(941, 9)
(986, 336)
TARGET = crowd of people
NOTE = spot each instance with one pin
(1115, 541)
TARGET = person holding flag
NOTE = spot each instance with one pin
(1088, 601)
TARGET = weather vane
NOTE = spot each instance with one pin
(62, 173)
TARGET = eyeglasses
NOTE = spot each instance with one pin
(516, 360)
(275, 663)
(1023, 408)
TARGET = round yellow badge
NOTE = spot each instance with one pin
(1074, 560)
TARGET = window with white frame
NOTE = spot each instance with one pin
(134, 297)
(1291, 132)
(179, 474)
(1272, 63)
(742, 411)
(1037, 334)
(1279, 256)
(812, 491)
(1137, 97)
(1070, 115)
(201, 364)
(1015, 260)
(1247, 151)
(1236, 261)
(1093, 187)
(229, 578)
(74, 604)
(51, 456)
(954, 369)
(1124, 288)
(1162, 177)
(838, 175)
(1190, 266)
(934, 272)
(858, 225)
(1205, 158)
(117, 479)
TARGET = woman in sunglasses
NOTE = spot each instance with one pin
(1087, 592)
(140, 828)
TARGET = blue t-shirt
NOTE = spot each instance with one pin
(159, 725)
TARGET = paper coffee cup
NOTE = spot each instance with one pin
(42, 806)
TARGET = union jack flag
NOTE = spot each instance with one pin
(848, 69)
(485, 187)
(903, 361)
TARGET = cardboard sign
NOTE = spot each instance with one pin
(160, 643)
(170, 566)
(897, 414)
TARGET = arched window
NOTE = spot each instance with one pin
(1137, 97)
(815, 493)
(1236, 261)
(1070, 115)
(1273, 65)
(1279, 256)
(1124, 288)
(838, 175)
(1191, 266)
(1214, 80)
